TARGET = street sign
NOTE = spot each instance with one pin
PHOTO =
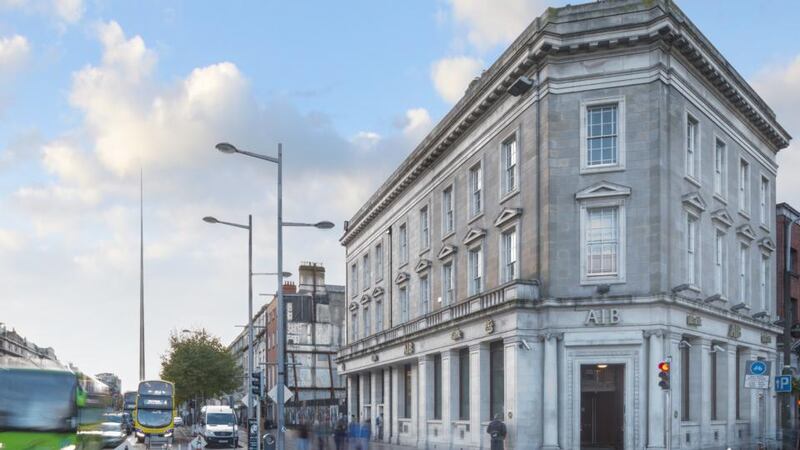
(252, 436)
(783, 383)
(756, 375)
(273, 394)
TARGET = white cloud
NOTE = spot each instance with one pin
(14, 52)
(493, 22)
(10, 240)
(417, 124)
(451, 76)
(780, 87)
(366, 140)
(69, 11)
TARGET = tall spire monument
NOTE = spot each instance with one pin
(141, 276)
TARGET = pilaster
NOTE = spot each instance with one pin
(550, 392)
(449, 392)
(479, 390)
(655, 395)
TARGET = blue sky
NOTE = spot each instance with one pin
(91, 89)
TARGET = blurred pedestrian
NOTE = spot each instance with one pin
(353, 432)
(321, 435)
(340, 432)
(379, 427)
(497, 432)
(364, 433)
(303, 436)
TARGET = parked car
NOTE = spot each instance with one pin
(113, 433)
(127, 422)
(178, 421)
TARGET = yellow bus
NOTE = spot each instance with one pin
(155, 411)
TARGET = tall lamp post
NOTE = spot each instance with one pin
(225, 147)
(249, 228)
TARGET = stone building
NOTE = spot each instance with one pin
(601, 199)
(14, 344)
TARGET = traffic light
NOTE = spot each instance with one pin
(663, 375)
(255, 383)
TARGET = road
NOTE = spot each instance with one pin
(182, 437)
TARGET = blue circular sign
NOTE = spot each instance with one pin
(758, 368)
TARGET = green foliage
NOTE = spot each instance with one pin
(200, 366)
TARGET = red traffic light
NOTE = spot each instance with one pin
(663, 366)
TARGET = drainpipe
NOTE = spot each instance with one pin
(388, 291)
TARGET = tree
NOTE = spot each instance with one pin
(200, 366)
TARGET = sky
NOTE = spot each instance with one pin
(93, 90)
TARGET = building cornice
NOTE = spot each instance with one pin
(535, 46)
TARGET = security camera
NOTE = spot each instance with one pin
(524, 344)
(684, 344)
(716, 348)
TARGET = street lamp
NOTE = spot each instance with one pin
(225, 147)
(249, 228)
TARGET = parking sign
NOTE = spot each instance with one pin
(783, 383)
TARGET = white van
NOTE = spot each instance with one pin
(218, 426)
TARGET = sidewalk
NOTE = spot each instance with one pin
(291, 444)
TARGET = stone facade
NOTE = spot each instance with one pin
(602, 199)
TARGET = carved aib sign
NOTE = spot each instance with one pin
(409, 348)
(602, 317)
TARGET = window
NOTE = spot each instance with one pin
(510, 173)
(602, 241)
(448, 218)
(475, 270)
(685, 378)
(404, 304)
(691, 250)
(601, 135)
(365, 315)
(739, 385)
(379, 262)
(713, 383)
(764, 199)
(354, 279)
(424, 228)
(793, 260)
(692, 149)
(367, 388)
(354, 325)
(448, 283)
(496, 374)
(406, 411)
(743, 268)
(379, 388)
(744, 181)
(475, 190)
(437, 386)
(378, 316)
(367, 268)
(424, 295)
(764, 282)
(402, 237)
(719, 168)
(719, 263)
(463, 384)
(509, 255)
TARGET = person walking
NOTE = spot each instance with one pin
(364, 434)
(379, 427)
(497, 432)
(303, 437)
(340, 432)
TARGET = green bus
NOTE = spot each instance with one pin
(39, 405)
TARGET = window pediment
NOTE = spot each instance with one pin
(746, 232)
(766, 244)
(722, 218)
(694, 201)
(422, 265)
(603, 189)
(365, 299)
(506, 215)
(401, 277)
(353, 306)
(473, 235)
(377, 292)
(446, 251)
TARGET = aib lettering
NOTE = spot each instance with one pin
(602, 317)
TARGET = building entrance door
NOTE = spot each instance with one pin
(602, 406)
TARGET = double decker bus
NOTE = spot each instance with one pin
(39, 405)
(155, 411)
(128, 406)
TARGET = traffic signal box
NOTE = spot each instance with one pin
(663, 375)
(255, 384)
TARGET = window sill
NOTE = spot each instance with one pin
(720, 198)
(435, 421)
(461, 422)
(508, 195)
(604, 280)
(475, 217)
(402, 264)
(744, 214)
(692, 180)
(588, 170)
